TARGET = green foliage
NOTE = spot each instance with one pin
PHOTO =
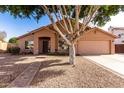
(23, 11)
(105, 12)
(36, 11)
(14, 50)
(13, 40)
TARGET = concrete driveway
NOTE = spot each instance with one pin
(113, 63)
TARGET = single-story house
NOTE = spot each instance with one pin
(46, 39)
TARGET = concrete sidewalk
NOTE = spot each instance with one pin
(114, 63)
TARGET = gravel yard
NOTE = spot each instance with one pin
(11, 66)
(56, 73)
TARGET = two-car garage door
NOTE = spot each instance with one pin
(93, 47)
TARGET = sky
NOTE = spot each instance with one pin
(15, 27)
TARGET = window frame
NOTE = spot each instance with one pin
(29, 44)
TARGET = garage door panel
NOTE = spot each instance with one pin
(93, 47)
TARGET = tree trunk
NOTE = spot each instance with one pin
(72, 54)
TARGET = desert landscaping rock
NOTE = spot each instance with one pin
(55, 72)
(9, 70)
(11, 66)
(25, 78)
(85, 74)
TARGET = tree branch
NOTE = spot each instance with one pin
(77, 13)
(66, 27)
(54, 24)
(60, 23)
(83, 27)
(76, 39)
(68, 19)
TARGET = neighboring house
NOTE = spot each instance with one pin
(119, 42)
(3, 46)
(45, 39)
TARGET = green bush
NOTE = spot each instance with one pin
(14, 50)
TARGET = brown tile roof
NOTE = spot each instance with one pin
(51, 27)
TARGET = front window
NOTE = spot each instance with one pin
(29, 44)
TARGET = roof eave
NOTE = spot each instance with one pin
(114, 36)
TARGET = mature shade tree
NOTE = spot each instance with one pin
(68, 17)
(13, 40)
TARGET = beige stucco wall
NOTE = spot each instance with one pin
(35, 37)
(96, 35)
(112, 46)
(44, 33)
(21, 41)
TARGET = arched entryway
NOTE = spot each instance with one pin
(44, 45)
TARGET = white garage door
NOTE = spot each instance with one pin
(93, 47)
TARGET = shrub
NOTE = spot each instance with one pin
(13, 40)
(14, 50)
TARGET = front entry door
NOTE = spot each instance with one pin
(45, 46)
